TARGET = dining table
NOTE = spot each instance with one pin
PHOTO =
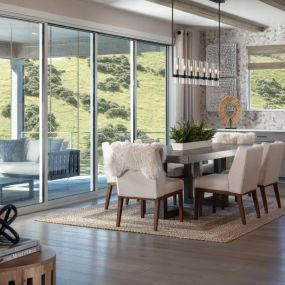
(192, 160)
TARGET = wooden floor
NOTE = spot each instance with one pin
(90, 256)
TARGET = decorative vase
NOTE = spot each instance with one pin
(191, 145)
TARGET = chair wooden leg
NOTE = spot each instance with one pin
(119, 210)
(256, 205)
(156, 214)
(142, 208)
(174, 200)
(241, 209)
(180, 200)
(276, 191)
(127, 201)
(108, 195)
(196, 204)
(264, 200)
(214, 206)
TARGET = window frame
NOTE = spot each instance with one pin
(263, 50)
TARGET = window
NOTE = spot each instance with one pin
(69, 112)
(151, 91)
(267, 77)
(20, 112)
(130, 99)
(113, 93)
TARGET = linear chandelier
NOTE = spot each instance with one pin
(196, 72)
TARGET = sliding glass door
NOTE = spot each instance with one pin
(129, 103)
(151, 91)
(19, 112)
(113, 94)
(69, 112)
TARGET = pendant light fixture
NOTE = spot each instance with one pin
(196, 72)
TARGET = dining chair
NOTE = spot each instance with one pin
(242, 179)
(111, 180)
(173, 170)
(271, 163)
(134, 184)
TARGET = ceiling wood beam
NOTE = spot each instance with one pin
(279, 4)
(210, 13)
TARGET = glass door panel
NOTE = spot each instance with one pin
(19, 112)
(151, 91)
(69, 112)
(113, 89)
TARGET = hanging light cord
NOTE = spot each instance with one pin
(219, 38)
(172, 34)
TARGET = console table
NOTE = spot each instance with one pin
(37, 268)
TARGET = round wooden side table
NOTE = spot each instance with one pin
(35, 269)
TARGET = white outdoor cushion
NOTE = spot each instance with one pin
(20, 168)
(213, 181)
(33, 150)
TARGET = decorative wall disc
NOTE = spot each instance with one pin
(230, 111)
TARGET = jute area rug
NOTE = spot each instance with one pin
(224, 226)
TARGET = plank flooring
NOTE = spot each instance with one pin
(90, 256)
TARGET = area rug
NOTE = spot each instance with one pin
(224, 226)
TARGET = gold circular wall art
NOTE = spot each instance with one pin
(230, 111)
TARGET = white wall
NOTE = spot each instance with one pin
(88, 15)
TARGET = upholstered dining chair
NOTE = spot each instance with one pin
(242, 179)
(173, 170)
(272, 158)
(141, 176)
(134, 185)
(111, 180)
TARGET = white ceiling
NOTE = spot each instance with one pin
(251, 9)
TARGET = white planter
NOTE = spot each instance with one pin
(191, 145)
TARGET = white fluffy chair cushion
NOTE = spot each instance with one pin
(234, 138)
(225, 137)
(246, 138)
(146, 158)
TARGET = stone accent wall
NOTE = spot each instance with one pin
(250, 119)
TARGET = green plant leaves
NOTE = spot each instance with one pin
(191, 132)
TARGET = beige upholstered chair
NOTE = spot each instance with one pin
(133, 184)
(242, 179)
(272, 158)
(111, 180)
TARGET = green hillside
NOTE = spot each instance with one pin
(74, 117)
(267, 86)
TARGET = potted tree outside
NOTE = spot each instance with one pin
(189, 135)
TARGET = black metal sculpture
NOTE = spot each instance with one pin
(8, 215)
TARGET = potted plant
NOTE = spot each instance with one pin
(189, 135)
